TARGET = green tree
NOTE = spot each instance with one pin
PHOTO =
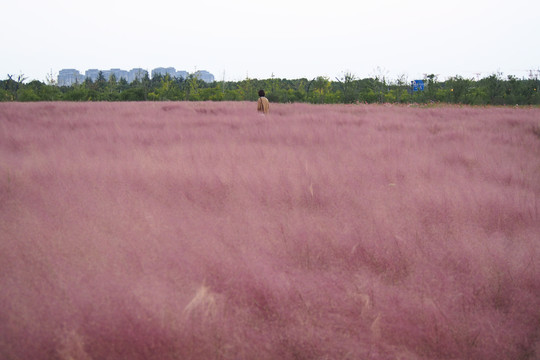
(111, 92)
(146, 85)
(431, 87)
(77, 93)
(167, 90)
(213, 94)
(133, 94)
(401, 87)
(194, 84)
(28, 94)
(248, 89)
(380, 84)
(493, 85)
(122, 85)
(13, 85)
(5, 95)
(321, 87)
(458, 90)
(233, 95)
(349, 90)
(101, 82)
(37, 91)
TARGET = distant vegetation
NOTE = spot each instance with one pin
(491, 90)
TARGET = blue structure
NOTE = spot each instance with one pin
(417, 85)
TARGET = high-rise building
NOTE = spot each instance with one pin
(136, 74)
(182, 74)
(164, 71)
(92, 74)
(69, 77)
(119, 74)
(204, 76)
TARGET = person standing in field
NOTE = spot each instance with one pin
(263, 105)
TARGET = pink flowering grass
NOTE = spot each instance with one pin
(207, 231)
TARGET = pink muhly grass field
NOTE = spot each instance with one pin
(207, 231)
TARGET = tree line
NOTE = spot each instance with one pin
(491, 90)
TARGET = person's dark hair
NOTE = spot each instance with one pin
(261, 92)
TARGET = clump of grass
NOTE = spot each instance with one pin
(536, 130)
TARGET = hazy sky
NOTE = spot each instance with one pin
(286, 38)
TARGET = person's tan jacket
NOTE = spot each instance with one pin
(263, 105)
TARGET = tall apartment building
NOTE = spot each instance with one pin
(92, 74)
(69, 77)
(164, 71)
(136, 74)
(201, 74)
(118, 74)
(205, 76)
(182, 74)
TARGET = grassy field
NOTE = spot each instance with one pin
(207, 231)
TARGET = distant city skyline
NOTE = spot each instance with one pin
(69, 77)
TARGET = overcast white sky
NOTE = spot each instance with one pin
(286, 38)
